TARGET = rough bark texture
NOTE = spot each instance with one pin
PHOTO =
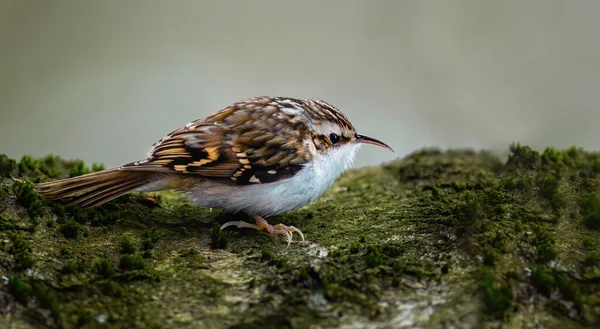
(439, 239)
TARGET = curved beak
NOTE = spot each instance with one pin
(368, 140)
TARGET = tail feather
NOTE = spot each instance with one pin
(98, 197)
(97, 188)
(66, 187)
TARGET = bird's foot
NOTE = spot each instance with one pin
(278, 229)
(262, 224)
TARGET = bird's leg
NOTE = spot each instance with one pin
(262, 224)
(277, 229)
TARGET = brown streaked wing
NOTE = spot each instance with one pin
(198, 148)
(246, 154)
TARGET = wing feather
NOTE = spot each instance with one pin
(249, 143)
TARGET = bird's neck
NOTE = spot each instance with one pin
(331, 164)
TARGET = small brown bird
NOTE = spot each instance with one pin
(263, 156)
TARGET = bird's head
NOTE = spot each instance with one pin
(333, 135)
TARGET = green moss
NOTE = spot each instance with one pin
(150, 238)
(596, 164)
(393, 249)
(500, 242)
(73, 266)
(268, 255)
(355, 248)
(58, 209)
(592, 259)
(192, 258)
(373, 257)
(589, 243)
(36, 209)
(21, 252)
(79, 214)
(490, 256)
(523, 157)
(517, 183)
(20, 289)
(402, 268)
(28, 198)
(434, 221)
(50, 223)
(37, 170)
(97, 167)
(29, 164)
(70, 228)
(576, 157)
(5, 224)
(83, 319)
(497, 296)
(589, 185)
(47, 298)
(69, 267)
(25, 291)
(445, 268)
(266, 322)
(50, 166)
(4, 191)
(561, 281)
(8, 166)
(590, 207)
(111, 288)
(569, 288)
(551, 156)
(436, 193)
(549, 185)
(131, 262)
(489, 212)
(105, 268)
(543, 281)
(127, 244)
(102, 216)
(544, 242)
(78, 168)
(468, 213)
(66, 252)
(218, 237)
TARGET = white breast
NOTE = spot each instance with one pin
(282, 196)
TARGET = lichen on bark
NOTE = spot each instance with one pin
(438, 239)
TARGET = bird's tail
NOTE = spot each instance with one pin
(92, 190)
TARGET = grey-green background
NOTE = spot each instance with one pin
(103, 80)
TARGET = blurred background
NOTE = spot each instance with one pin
(103, 80)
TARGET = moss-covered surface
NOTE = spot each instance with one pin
(436, 240)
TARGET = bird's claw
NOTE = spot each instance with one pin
(283, 229)
(262, 224)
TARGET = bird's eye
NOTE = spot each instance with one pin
(334, 138)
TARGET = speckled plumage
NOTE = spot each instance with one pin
(259, 140)
(263, 156)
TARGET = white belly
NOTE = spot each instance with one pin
(278, 197)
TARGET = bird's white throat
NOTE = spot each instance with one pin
(330, 165)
